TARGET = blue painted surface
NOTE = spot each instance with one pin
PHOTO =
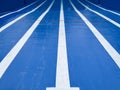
(10, 36)
(34, 68)
(95, 1)
(109, 4)
(108, 14)
(7, 19)
(91, 68)
(8, 6)
(110, 32)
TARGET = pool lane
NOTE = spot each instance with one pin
(10, 36)
(90, 66)
(35, 66)
(5, 14)
(108, 14)
(110, 32)
(13, 16)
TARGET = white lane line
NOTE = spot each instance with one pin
(15, 20)
(104, 8)
(15, 50)
(101, 15)
(62, 74)
(19, 9)
(107, 46)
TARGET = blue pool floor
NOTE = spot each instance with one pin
(32, 45)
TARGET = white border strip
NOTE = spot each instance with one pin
(8, 59)
(15, 20)
(104, 8)
(101, 15)
(107, 46)
(62, 72)
(19, 9)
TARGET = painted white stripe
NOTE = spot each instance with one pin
(15, 20)
(104, 8)
(8, 59)
(101, 15)
(62, 74)
(19, 9)
(107, 46)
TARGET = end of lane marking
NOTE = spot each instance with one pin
(62, 73)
